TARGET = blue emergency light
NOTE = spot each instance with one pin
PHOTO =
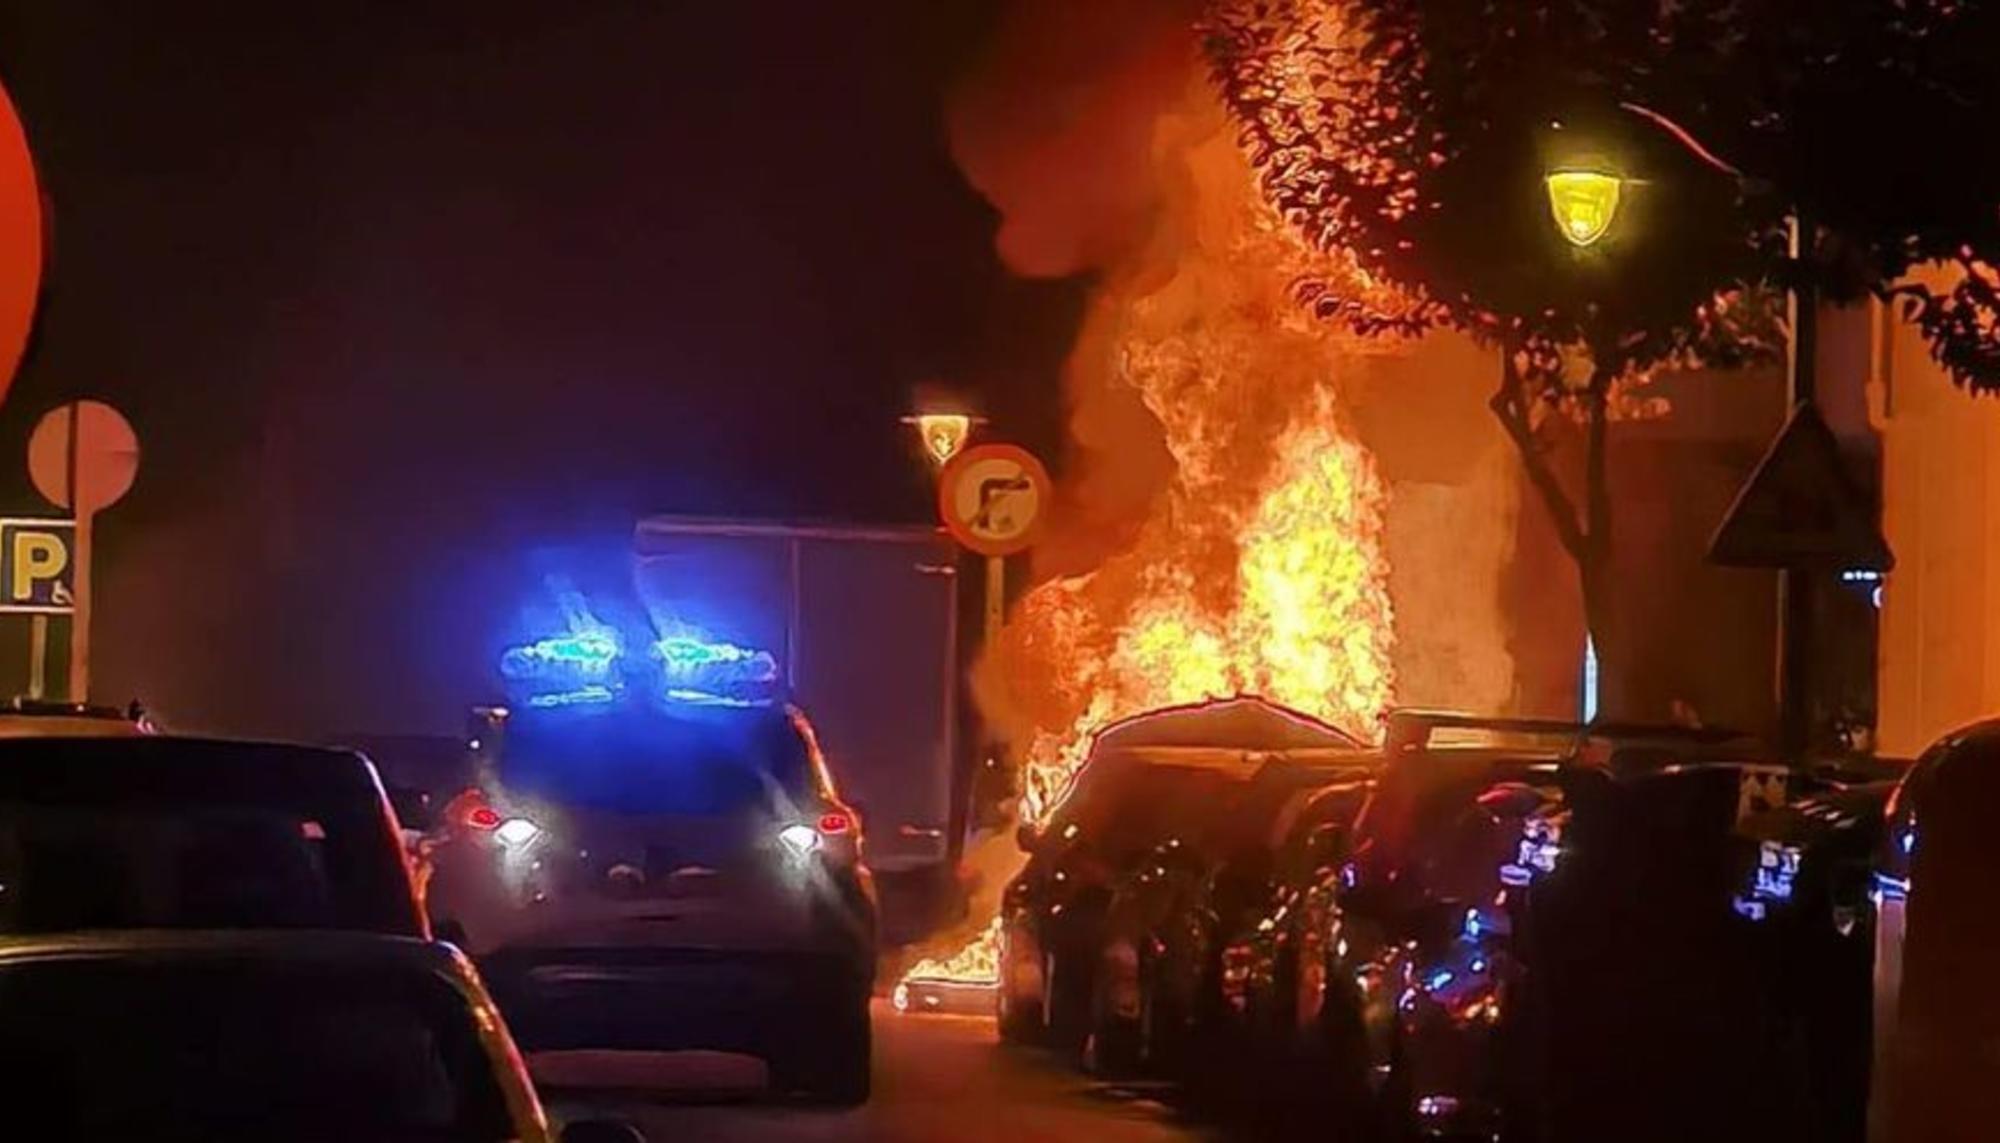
(587, 667)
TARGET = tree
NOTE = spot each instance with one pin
(1413, 136)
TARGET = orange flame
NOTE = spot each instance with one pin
(1259, 565)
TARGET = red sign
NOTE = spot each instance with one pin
(20, 241)
(994, 498)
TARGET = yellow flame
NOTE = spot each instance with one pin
(1260, 567)
(977, 962)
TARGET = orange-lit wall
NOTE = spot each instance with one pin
(1940, 642)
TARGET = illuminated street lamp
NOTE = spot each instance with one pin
(1584, 203)
(942, 434)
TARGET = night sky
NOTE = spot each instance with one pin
(393, 297)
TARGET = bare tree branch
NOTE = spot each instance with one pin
(1510, 405)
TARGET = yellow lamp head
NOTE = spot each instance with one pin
(943, 434)
(1584, 203)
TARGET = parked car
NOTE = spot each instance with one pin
(260, 1035)
(159, 832)
(1805, 871)
(1150, 782)
(1534, 937)
(643, 876)
(1936, 1015)
(1161, 967)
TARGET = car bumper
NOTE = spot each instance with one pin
(640, 999)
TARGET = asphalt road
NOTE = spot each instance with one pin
(936, 1078)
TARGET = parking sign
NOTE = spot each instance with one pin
(37, 566)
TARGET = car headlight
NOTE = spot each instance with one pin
(799, 840)
(515, 833)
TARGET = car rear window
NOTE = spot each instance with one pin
(650, 762)
(103, 1048)
(163, 834)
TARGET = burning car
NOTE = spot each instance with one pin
(655, 857)
(1149, 782)
(1160, 979)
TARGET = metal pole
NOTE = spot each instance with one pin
(79, 623)
(1795, 601)
(38, 657)
(996, 597)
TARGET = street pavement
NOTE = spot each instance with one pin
(936, 1078)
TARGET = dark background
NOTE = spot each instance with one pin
(395, 294)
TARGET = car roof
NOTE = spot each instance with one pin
(1245, 722)
(158, 764)
(330, 947)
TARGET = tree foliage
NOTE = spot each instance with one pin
(1414, 133)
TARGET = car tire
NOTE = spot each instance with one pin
(1067, 998)
(839, 1069)
(1021, 1022)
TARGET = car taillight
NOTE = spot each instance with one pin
(834, 821)
(483, 818)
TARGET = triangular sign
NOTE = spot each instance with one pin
(1801, 508)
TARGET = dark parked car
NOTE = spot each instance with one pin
(157, 832)
(1937, 1014)
(1537, 936)
(644, 876)
(1153, 781)
(1805, 871)
(259, 1035)
(1159, 976)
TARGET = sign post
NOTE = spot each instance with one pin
(82, 456)
(1801, 513)
(992, 499)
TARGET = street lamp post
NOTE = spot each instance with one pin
(1584, 203)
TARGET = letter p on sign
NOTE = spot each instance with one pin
(37, 572)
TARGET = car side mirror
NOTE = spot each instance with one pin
(1026, 836)
(451, 932)
(602, 1131)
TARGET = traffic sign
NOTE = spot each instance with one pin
(87, 444)
(83, 457)
(993, 498)
(37, 568)
(20, 241)
(1801, 508)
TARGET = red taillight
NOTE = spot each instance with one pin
(833, 821)
(483, 817)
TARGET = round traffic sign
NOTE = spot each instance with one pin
(105, 461)
(20, 241)
(993, 498)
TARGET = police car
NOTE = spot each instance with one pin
(654, 857)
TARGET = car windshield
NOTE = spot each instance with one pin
(140, 1048)
(654, 762)
(157, 834)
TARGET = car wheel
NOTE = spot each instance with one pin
(1021, 1022)
(836, 1069)
(1111, 1050)
(1067, 998)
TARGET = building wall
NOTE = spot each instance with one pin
(1939, 662)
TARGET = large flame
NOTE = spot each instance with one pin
(1257, 562)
